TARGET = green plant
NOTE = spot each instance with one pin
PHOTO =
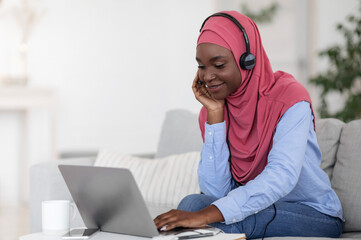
(344, 73)
(264, 15)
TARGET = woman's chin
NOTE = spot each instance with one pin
(218, 96)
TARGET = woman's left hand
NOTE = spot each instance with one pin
(177, 218)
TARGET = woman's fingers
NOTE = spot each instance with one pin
(177, 218)
(196, 86)
(172, 225)
(203, 96)
(163, 219)
(199, 90)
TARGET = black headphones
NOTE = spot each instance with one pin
(247, 59)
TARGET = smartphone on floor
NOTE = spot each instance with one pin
(79, 233)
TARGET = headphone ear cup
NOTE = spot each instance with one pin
(247, 61)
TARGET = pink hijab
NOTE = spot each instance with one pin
(256, 107)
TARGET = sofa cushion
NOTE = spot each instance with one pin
(346, 179)
(180, 134)
(352, 235)
(328, 132)
(164, 181)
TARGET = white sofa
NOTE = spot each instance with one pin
(340, 144)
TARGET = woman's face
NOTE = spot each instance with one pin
(218, 70)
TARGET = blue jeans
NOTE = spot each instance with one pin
(292, 219)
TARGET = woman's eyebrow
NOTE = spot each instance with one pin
(216, 58)
(212, 59)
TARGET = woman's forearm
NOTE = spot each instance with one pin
(211, 214)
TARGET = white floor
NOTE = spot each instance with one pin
(14, 221)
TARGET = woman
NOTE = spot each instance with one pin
(260, 163)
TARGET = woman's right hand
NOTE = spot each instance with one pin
(204, 97)
(215, 108)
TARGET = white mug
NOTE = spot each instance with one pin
(56, 216)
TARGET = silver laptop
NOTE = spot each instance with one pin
(109, 199)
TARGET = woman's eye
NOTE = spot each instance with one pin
(219, 65)
(200, 67)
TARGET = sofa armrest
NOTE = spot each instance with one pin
(46, 183)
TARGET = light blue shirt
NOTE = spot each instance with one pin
(292, 174)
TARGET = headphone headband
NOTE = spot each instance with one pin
(247, 60)
(234, 20)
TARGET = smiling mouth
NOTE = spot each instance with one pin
(214, 86)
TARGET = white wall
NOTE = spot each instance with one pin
(118, 66)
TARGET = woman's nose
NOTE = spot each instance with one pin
(208, 76)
